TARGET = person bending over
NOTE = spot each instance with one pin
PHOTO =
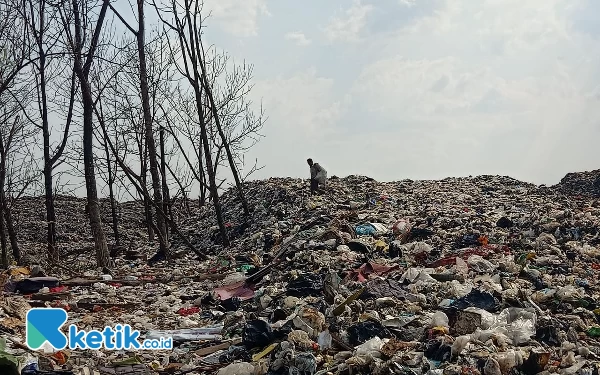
(318, 176)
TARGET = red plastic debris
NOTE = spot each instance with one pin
(189, 311)
(58, 289)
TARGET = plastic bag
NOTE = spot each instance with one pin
(478, 264)
(491, 367)
(439, 319)
(325, 340)
(364, 331)
(257, 334)
(518, 324)
(373, 345)
(242, 368)
(306, 285)
(365, 230)
(487, 319)
(459, 290)
(543, 295)
(568, 292)
(461, 267)
(34, 284)
(477, 298)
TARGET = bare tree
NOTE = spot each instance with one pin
(111, 179)
(14, 45)
(14, 137)
(44, 30)
(77, 23)
(140, 35)
(14, 57)
(186, 25)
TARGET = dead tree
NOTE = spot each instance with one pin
(14, 57)
(42, 21)
(163, 171)
(140, 35)
(112, 170)
(13, 140)
(76, 19)
(14, 45)
(187, 28)
(225, 142)
(233, 126)
(142, 190)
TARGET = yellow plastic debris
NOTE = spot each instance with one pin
(381, 246)
(269, 349)
(19, 271)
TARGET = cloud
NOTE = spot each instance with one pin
(347, 27)
(298, 37)
(239, 18)
(303, 103)
(486, 88)
(408, 3)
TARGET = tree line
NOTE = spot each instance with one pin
(156, 109)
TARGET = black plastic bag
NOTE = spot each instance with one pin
(306, 285)
(257, 334)
(504, 222)
(359, 247)
(438, 351)
(364, 331)
(477, 298)
(34, 284)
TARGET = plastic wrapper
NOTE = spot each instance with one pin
(439, 319)
(369, 347)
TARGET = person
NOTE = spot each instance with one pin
(318, 175)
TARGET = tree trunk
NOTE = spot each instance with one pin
(3, 241)
(12, 234)
(144, 90)
(53, 254)
(163, 170)
(82, 71)
(203, 184)
(113, 205)
(144, 181)
(3, 152)
(231, 160)
(102, 255)
(214, 193)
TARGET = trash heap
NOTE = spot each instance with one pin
(480, 275)
(581, 183)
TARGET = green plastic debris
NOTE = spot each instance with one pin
(593, 332)
(246, 267)
(9, 365)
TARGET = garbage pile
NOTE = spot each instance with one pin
(581, 183)
(480, 275)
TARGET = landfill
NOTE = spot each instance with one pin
(474, 275)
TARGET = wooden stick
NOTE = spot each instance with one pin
(88, 282)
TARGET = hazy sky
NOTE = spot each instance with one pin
(421, 89)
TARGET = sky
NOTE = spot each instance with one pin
(420, 89)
